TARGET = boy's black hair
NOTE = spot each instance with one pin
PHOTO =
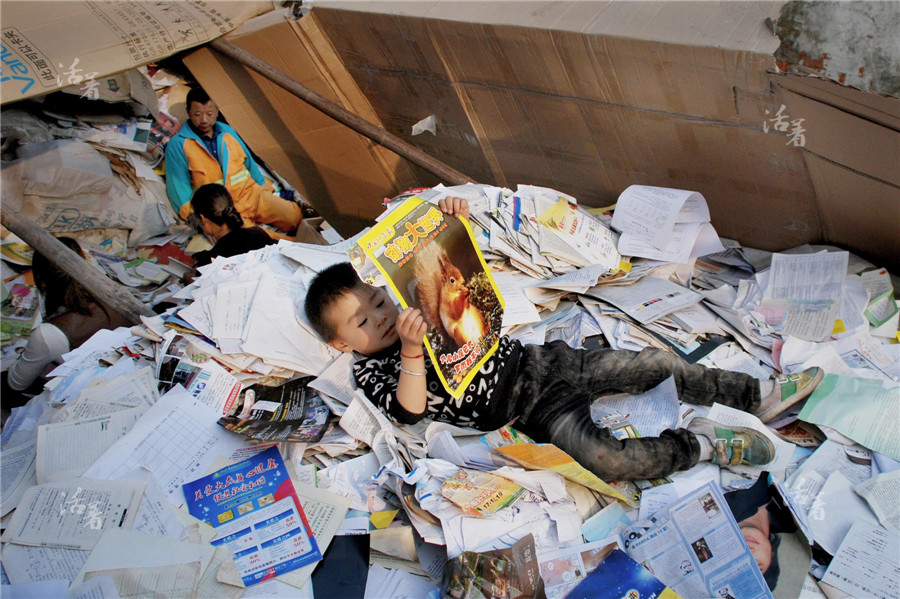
(328, 286)
(196, 94)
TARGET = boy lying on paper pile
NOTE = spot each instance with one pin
(547, 389)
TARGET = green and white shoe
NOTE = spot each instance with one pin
(793, 389)
(734, 445)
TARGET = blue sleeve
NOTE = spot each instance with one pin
(178, 175)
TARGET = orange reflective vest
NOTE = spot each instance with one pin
(190, 165)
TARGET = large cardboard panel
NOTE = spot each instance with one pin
(854, 164)
(586, 97)
(341, 173)
(589, 114)
(49, 45)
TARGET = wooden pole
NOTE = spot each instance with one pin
(342, 115)
(116, 296)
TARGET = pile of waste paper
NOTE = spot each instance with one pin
(114, 476)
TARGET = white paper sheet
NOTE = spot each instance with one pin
(275, 332)
(648, 299)
(881, 493)
(835, 510)
(73, 514)
(67, 449)
(649, 213)
(36, 590)
(99, 587)
(865, 564)
(17, 474)
(30, 564)
(176, 439)
(651, 412)
(803, 293)
(118, 549)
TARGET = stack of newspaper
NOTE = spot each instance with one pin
(140, 469)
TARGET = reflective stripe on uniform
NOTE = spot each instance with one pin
(239, 176)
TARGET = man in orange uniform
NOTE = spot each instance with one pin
(207, 151)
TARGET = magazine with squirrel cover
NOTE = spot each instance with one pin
(431, 261)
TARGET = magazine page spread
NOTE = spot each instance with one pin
(432, 263)
(290, 413)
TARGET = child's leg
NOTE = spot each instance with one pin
(562, 417)
(556, 386)
(622, 371)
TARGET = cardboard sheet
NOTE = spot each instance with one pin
(584, 97)
(53, 45)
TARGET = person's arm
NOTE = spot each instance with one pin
(46, 345)
(178, 175)
(411, 385)
(377, 378)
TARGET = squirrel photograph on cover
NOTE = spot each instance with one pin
(443, 298)
(431, 262)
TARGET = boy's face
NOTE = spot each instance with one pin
(364, 320)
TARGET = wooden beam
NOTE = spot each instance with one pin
(377, 134)
(116, 296)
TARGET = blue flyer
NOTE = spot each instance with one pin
(619, 576)
(254, 507)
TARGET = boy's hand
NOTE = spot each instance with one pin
(411, 327)
(458, 207)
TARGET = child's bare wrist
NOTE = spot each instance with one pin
(412, 350)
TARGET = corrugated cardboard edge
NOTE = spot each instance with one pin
(349, 95)
(852, 154)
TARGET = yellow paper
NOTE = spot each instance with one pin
(838, 327)
(383, 519)
(545, 456)
(556, 216)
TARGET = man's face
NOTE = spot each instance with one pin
(203, 116)
(364, 320)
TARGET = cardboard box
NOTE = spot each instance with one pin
(585, 97)
(50, 45)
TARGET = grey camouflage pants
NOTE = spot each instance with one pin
(557, 384)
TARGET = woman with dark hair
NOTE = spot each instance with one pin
(72, 315)
(213, 206)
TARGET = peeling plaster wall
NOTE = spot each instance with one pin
(853, 43)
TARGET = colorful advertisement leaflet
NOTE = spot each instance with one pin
(432, 263)
(257, 515)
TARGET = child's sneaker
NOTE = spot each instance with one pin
(734, 445)
(791, 388)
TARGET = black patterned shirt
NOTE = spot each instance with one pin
(483, 406)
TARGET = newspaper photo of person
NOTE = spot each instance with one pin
(765, 523)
